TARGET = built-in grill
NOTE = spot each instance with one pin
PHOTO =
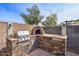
(23, 36)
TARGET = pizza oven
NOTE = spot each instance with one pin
(37, 30)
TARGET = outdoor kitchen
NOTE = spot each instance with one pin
(26, 41)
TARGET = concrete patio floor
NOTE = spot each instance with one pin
(71, 54)
(40, 52)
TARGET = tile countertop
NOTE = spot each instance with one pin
(12, 38)
(44, 35)
(51, 36)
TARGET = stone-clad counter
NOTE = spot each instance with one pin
(54, 44)
(17, 49)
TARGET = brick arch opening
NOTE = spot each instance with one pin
(37, 30)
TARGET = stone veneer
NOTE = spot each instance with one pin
(53, 46)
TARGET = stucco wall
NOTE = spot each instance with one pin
(23, 27)
(3, 34)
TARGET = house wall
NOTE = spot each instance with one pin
(3, 34)
(73, 36)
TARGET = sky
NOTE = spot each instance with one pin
(10, 12)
